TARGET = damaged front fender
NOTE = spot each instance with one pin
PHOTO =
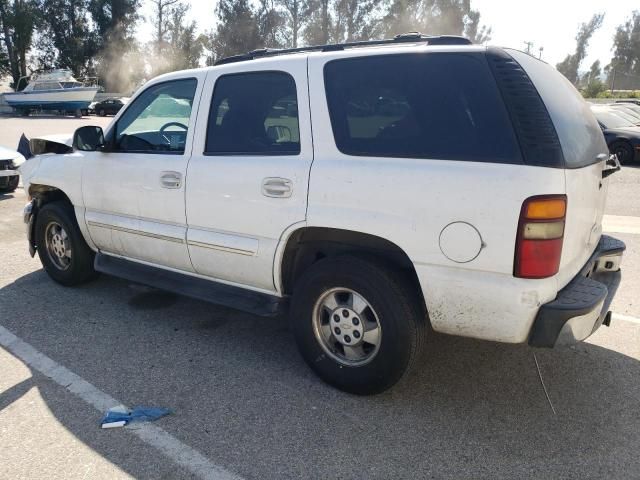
(29, 216)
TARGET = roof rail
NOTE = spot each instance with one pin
(410, 37)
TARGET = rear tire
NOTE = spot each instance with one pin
(624, 151)
(101, 113)
(64, 254)
(336, 306)
(12, 184)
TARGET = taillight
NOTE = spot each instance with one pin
(540, 235)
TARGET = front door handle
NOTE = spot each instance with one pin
(171, 179)
(277, 187)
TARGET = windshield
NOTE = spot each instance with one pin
(611, 120)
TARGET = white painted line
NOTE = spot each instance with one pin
(626, 318)
(621, 224)
(153, 435)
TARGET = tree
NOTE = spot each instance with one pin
(295, 13)
(356, 20)
(67, 29)
(436, 17)
(237, 31)
(118, 54)
(570, 65)
(18, 20)
(625, 64)
(161, 20)
(272, 25)
(318, 29)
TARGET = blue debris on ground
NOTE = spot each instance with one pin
(118, 418)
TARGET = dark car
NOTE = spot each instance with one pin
(110, 106)
(621, 134)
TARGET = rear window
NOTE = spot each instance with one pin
(436, 105)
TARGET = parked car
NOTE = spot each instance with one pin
(470, 198)
(621, 134)
(634, 102)
(110, 106)
(10, 161)
(628, 107)
(627, 113)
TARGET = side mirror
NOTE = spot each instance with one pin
(88, 139)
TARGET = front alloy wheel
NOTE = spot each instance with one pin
(58, 245)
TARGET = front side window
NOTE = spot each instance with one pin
(158, 120)
(436, 105)
(254, 113)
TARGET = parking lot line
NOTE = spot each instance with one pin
(152, 435)
(626, 318)
(621, 224)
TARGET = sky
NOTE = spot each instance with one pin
(551, 24)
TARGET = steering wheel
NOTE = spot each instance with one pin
(171, 124)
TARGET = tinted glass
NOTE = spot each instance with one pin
(158, 119)
(254, 114)
(438, 105)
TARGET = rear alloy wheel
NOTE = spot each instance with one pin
(64, 254)
(358, 323)
(624, 152)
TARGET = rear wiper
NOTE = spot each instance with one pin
(613, 163)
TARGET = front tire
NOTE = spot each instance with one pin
(357, 323)
(624, 151)
(64, 254)
(101, 113)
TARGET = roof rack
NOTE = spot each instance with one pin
(411, 37)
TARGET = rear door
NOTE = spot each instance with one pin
(585, 154)
(248, 175)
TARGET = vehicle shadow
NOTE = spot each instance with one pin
(6, 196)
(244, 398)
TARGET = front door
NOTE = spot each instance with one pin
(134, 192)
(249, 171)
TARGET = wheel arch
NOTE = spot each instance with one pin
(306, 245)
(42, 194)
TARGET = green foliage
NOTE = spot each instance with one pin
(626, 57)
(594, 89)
(18, 19)
(570, 65)
(436, 17)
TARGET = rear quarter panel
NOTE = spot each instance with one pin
(410, 201)
(582, 142)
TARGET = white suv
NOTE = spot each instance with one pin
(370, 189)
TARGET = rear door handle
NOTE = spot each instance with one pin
(171, 179)
(277, 187)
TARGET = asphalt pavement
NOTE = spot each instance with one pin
(245, 405)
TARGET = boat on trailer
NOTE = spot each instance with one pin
(53, 90)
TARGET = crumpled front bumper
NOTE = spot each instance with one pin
(9, 173)
(583, 305)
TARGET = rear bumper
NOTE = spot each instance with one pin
(583, 305)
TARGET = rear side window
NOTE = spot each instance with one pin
(436, 105)
(254, 114)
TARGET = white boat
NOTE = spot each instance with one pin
(53, 90)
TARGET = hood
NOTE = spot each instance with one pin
(9, 154)
(631, 132)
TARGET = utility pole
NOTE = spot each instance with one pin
(613, 80)
(529, 45)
